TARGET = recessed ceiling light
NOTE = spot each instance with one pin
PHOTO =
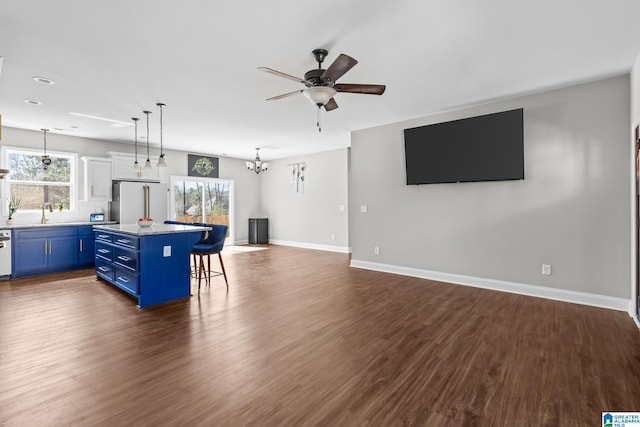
(43, 80)
(101, 118)
(32, 102)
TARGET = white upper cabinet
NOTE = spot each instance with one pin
(97, 179)
(123, 168)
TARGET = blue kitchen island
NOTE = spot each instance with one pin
(151, 264)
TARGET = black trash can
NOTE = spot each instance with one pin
(258, 231)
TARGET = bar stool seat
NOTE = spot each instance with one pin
(212, 244)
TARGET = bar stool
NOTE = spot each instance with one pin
(212, 244)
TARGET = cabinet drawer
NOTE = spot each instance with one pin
(45, 232)
(126, 258)
(129, 242)
(104, 269)
(104, 237)
(104, 250)
(127, 279)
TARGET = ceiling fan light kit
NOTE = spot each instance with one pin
(319, 95)
(321, 86)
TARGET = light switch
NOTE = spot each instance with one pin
(166, 251)
(363, 208)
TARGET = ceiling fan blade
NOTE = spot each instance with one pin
(331, 105)
(359, 88)
(284, 95)
(285, 75)
(341, 65)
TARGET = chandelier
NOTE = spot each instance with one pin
(257, 165)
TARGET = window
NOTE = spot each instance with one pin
(28, 181)
(191, 196)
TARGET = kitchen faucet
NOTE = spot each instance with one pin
(44, 205)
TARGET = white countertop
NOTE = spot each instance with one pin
(53, 224)
(160, 228)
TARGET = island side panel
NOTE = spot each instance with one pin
(164, 267)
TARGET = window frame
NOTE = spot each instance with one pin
(73, 175)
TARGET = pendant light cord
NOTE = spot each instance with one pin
(159, 104)
(147, 113)
(135, 144)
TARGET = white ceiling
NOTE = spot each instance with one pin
(115, 58)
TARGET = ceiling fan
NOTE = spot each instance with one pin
(321, 85)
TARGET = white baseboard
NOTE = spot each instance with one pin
(240, 242)
(341, 249)
(583, 298)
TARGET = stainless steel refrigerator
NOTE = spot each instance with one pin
(134, 200)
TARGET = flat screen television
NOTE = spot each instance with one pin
(482, 148)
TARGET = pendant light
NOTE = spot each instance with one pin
(147, 164)
(46, 160)
(257, 165)
(161, 163)
(136, 166)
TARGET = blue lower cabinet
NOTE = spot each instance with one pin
(152, 268)
(86, 245)
(127, 281)
(48, 250)
(105, 270)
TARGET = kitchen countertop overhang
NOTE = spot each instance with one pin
(135, 230)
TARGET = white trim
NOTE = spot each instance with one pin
(328, 248)
(575, 297)
(241, 242)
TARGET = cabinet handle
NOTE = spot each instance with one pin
(124, 258)
(50, 248)
(80, 245)
(123, 279)
(45, 248)
(103, 236)
(103, 269)
(124, 241)
(103, 251)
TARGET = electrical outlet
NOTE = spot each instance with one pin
(341, 208)
(363, 209)
(546, 269)
(333, 236)
(376, 250)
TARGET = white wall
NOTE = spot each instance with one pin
(308, 218)
(635, 121)
(247, 198)
(570, 211)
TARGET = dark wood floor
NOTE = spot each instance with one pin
(302, 339)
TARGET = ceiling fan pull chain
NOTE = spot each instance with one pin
(318, 120)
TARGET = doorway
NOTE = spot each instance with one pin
(208, 200)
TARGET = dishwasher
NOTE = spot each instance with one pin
(5, 254)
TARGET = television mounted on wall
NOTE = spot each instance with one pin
(481, 148)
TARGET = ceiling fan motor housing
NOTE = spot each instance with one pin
(313, 77)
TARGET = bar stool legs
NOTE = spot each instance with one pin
(200, 271)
